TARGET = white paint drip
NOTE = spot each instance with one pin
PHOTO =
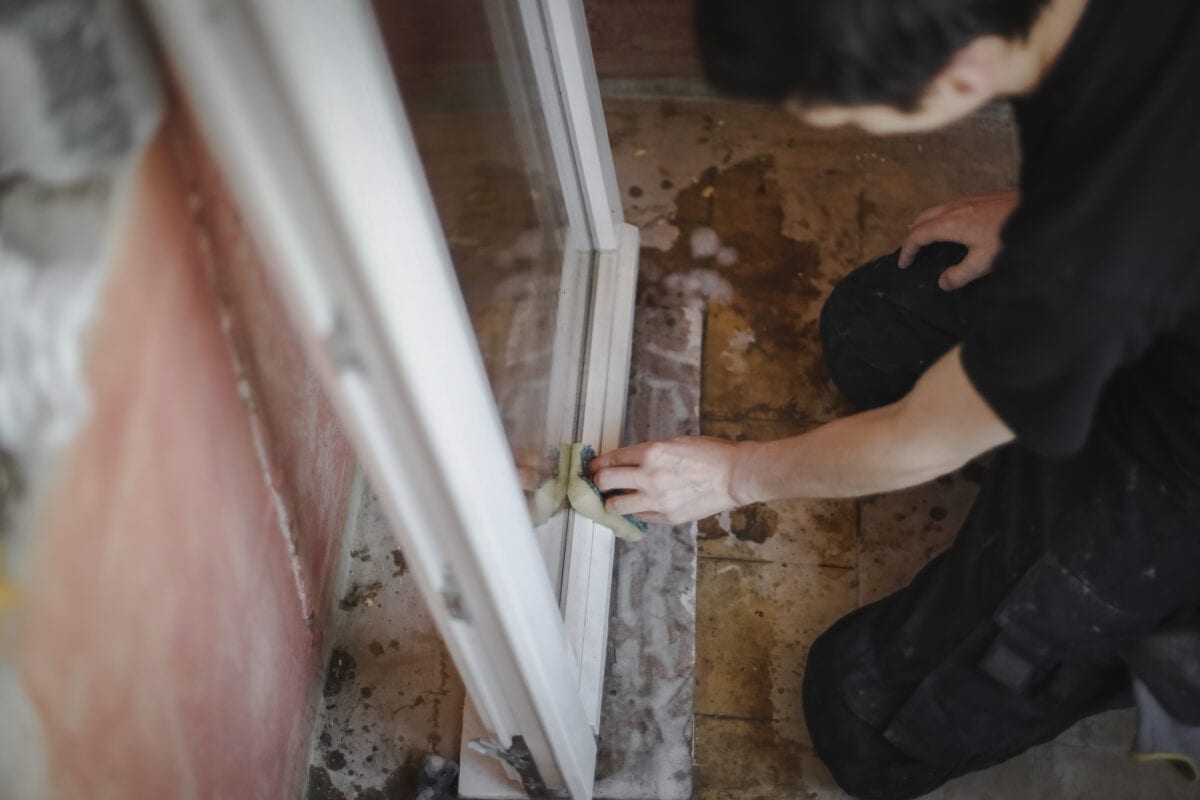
(258, 432)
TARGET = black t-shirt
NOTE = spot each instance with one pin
(1091, 318)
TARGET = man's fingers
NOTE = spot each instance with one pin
(943, 229)
(625, 504)
(960, 275)
(625, 457)
(614, 478)
(917, 238)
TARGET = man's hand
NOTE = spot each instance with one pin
(973, 221)
(670, 482)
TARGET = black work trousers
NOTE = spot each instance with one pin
(1019, 629)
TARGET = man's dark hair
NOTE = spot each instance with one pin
(846, 52)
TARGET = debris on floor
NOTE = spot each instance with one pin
(391, 702)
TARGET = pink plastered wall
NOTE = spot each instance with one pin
(170, 629)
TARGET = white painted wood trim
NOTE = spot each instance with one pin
(566, 384)
(534, 34)
(561, 57)
(561, 54)
(587, 584)
(587, 581)
(297, 98)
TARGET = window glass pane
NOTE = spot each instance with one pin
(463, 71)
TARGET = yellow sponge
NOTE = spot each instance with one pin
(549, 496)
(571, 483)
(586, 498)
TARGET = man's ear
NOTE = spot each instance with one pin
(971, 77)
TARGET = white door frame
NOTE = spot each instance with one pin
(322, 160)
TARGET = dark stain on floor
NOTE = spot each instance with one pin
(399, 562)
(341, 671)
(320, 786)
(755, 523)
(743, 205)
(765, 288)
(359, 594)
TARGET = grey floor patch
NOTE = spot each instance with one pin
(646, 725)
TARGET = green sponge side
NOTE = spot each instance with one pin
(587, 499)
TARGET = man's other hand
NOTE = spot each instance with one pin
(972, 221)
(671, 482)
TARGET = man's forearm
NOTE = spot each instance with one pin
(941, 425)
(860, 455)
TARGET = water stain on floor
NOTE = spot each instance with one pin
(740, 208)
(754, 523)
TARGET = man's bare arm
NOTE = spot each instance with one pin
(938, 427)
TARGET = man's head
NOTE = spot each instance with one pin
(885, 65)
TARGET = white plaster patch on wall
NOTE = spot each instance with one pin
(68, 150)
(57, 128)
(55, 245)
(44, 312)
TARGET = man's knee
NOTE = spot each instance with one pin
(860, 758)
(883, 326)
(853, 321)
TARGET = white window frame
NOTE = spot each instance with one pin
(323, 162)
